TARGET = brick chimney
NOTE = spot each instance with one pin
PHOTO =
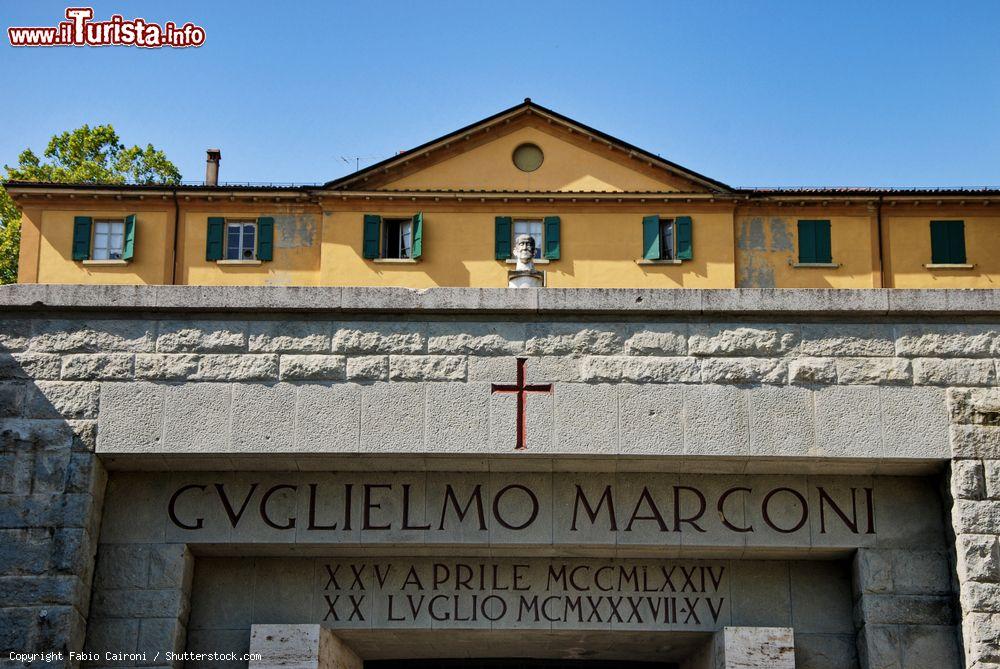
(212, 167)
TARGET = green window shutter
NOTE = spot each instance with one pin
(940, 243)
(81, 237)
(215, 237)
(683, 238)
(807, 242)
(128, 248)
(824, 252)
(956, 241)
(501, 237)
(369, 245)
(814, 242)
(265, 238)
(651, 237)
(418, 236)
(551, 238)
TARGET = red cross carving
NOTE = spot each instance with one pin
(522, 390)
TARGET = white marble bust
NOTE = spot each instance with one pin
(524, 275)
(524, 253)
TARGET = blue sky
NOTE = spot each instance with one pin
(751, 93)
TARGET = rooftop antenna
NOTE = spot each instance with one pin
(357, 161)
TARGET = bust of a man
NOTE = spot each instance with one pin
(524, 253)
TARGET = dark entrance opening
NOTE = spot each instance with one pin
(513, 663)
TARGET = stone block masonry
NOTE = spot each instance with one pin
(771, 383)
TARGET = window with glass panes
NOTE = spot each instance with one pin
(241, 240)
(666, 239)
(398, 238)
(527, 227)
(109, 240)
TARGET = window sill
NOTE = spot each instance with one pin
(646, 261)
(106, 263)
(942, 265)
(817, 265)
(396, 261)
(538, 261)
(237, 262)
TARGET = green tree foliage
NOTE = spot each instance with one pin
(84, 155)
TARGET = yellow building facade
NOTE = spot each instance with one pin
(604, 214)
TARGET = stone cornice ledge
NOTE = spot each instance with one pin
(628, 301)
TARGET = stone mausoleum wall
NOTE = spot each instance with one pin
(112, 399)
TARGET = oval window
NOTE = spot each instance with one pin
(528, 157)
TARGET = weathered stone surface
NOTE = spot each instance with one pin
(978, 596)
(873, 371)
(976, 517)
(914, 422)
(29, 366)
(968, 479)
(751, 647)
(742, 340)
(15, 334)
(12, 399)
(246, 367)
(62, 399)
(937, 340)
(93, 336)
(313, 367)
(812, 371)
(288, 336)
(427, 367)
(378, 338)
(574, 338)
(975, 441)
(660, 339)
(472, 338)
(603, 369)
(978, 557)
(847, 339)
(166, 366)
(953, 372)
(975, 406)
(991, 475)
(744, 370)
(263, 417)
(97, 366)
(368, 368)
(201, 336)
(196, 417)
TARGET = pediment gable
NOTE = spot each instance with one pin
(574, 158)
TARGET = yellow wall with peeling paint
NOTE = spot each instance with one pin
(295, 261)
(767, 251)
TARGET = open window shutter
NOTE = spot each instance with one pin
(81, 237)
(940, 243)
(265, 238)
(551, 238)
(956, 241)
(369, 246)
(651, 237)
(213, 243)
(823, 250)
(501, 236)
(128, 247)
(807, 242)
(418, 235)
(683, 235)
